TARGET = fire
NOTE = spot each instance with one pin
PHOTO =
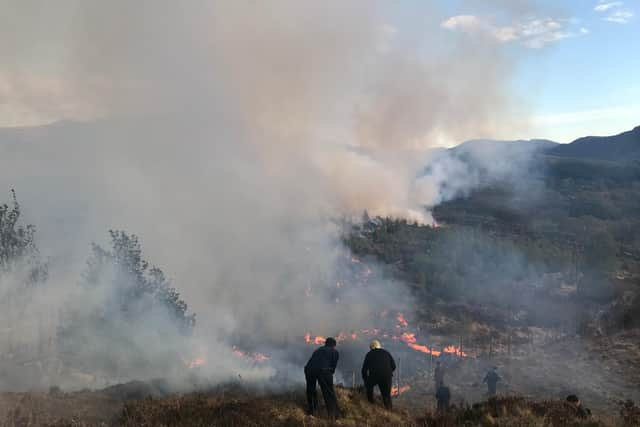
(195, 363)
(317, 340)
(256, 357)
(402, 322)
(396, 391)
(454, 350)
(409, 338)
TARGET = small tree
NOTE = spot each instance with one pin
(138, 286)
(17, 245)
(126, 320)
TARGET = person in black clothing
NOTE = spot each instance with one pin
(581, 411)
(377, 369)
(491, 379)
(320, 369)
(443, 395)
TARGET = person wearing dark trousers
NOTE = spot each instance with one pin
(377, 369)
(319, 370)
(443, 395)
(492, 379)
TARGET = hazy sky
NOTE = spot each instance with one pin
(576, 68)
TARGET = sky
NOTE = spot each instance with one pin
(577, 70)
(575, 62)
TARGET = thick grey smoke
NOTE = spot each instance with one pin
(226, 135)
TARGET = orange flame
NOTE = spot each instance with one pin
(396, 391)
(256, 357)
(195, 363)
(317, 340)
(402, 322)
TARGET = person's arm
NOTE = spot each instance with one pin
(393, 363)
(365, 367)
(486, 378)
(334, 361)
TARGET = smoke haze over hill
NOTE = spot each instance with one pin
(225, 134)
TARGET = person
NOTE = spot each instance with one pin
(438, 375)
(581, 412)
(320, 369)
(443, 395)
(491, 379)
(377, 369)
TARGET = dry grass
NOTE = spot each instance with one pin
(237, 407)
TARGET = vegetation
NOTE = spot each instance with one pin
(125, 313)
(18, 250)
(238, 407)
(139, 287)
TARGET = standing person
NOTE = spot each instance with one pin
(377, 369)
(320, 369)
(443, 395)
(438, 375)
(581, 411)
(491, 379)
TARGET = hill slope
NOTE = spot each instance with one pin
(622, 147)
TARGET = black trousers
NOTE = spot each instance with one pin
(325, 379)
(491, 389)
(384, 384)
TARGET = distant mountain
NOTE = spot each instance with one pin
(622, 147)
(527, 145)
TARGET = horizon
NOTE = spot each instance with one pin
(544, 51)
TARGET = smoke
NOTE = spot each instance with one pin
(226, 134)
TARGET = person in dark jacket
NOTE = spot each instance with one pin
(581, 411)
(377, 369)
(443, 395)
(491, 379)
(320, 369)
(438, 375)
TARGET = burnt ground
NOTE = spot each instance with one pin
(603, 372)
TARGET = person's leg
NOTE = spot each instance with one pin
(369, 384)
(385, 390)
(325, 379)
(312, 394)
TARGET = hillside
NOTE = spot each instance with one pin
(240, 407)
(622, 147)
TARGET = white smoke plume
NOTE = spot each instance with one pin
(226, 134)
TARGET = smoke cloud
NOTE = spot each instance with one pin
(226, 135)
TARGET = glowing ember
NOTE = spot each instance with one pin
(317, 340)
(409, 338)
(256, 357)
(195, 363)
(402, 322)
(395, 391)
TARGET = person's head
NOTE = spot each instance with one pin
(494, 368)
(330, 342)
(375, 344)
(440, 383)
(574, 400)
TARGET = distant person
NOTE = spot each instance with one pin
(581, 411)
(443, 395)
(438, 375)
(492, 379)
(377, 369)
(320, 369)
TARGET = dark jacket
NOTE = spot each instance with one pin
(491, 378)
(443, 395)
(378, 363)
(325, 358)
